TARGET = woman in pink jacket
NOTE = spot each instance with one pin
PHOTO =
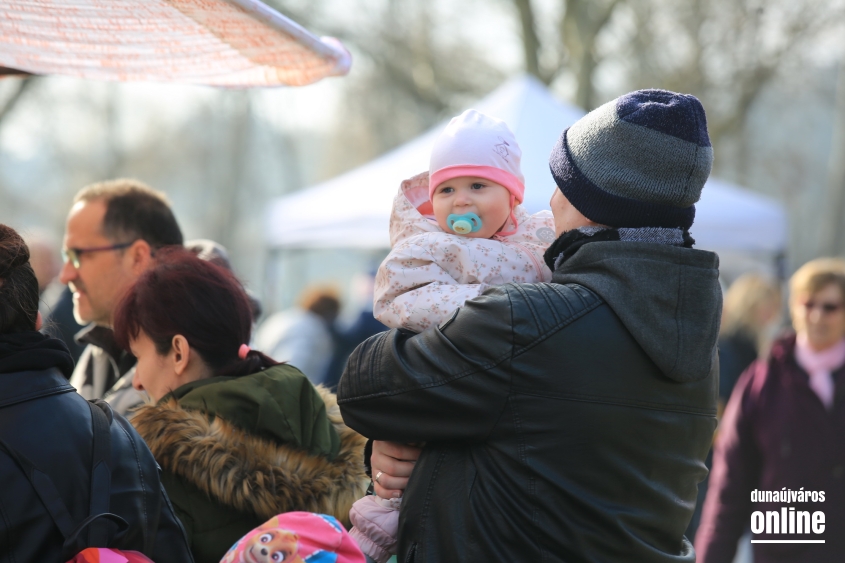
(780, 448)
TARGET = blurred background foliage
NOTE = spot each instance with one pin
(768, 73)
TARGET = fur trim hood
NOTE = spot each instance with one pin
(252, 473)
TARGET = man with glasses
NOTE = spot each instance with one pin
(113, 229)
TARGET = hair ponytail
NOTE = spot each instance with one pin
(255, 361)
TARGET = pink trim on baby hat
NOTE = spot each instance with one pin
(502, 177)
(513, 220)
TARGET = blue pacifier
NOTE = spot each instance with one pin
(464, 224)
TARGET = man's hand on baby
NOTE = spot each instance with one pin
(392, 464)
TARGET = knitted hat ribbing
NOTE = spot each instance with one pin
(474, 144)
(638, 161)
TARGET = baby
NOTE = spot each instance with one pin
(458, 228)
(455, 231)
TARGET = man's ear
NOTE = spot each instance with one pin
(181, 354)
(39, 321)
(141, 256)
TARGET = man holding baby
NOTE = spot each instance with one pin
(570, 420)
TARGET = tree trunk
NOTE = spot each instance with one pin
(530, 42)
(582, 22)
(832, 233)
(23, 85)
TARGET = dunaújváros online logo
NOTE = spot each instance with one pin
(788, 520)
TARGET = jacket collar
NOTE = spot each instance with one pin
(33, 351)
(783, 352)
(100, 336)
(22, 386)
(568, 243)
(278, 404)
(103, 337)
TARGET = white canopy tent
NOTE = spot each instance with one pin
(730, 218)
(353, 209)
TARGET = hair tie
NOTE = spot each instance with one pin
(243, 351)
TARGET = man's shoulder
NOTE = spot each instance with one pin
(531, 311)
(561, 300)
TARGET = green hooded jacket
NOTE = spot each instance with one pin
(236, 451)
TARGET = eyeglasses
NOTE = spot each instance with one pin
(826, 308)
(72, 255)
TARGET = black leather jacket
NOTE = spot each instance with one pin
(43, 418)
(563, 421)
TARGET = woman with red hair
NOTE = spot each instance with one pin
(240, 437)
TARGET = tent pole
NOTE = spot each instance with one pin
(271, 280)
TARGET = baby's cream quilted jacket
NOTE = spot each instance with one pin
(429, 273)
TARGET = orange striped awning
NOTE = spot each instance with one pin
(231, 43)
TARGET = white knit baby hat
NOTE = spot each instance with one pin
(474, 144)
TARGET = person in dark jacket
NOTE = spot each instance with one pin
(566, 421)
(783, 431)
(240, 437)
(750, 316)
(45, 423)
(346, 339)
(60, 323)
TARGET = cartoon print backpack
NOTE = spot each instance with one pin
(100, 525)
(296, 537)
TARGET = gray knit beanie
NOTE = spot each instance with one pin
(638, 161)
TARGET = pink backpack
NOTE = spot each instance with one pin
(101, 555)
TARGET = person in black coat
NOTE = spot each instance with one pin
(750, 317)
(566, 421)
(50, 438)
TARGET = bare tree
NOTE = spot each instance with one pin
(21, 86)
(729, 53)
(832, 227)
(405, 77)
(724, 51)
(582, 22)
(573, 46)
